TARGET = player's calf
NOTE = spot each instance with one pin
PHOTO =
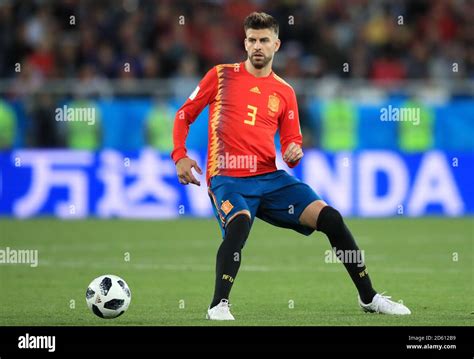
(229, 257)
(330, 222)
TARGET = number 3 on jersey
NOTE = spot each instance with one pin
(252, 114)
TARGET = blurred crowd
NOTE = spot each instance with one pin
(383, 39)
(89, 42)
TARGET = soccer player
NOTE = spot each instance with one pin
(248, 104)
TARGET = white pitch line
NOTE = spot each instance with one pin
(330, 267)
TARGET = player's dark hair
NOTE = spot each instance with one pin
(261, 20)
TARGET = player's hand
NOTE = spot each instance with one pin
(185, 175)
(293, 153)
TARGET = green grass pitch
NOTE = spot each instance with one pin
(284, 279)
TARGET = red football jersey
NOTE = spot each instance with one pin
(245, 113)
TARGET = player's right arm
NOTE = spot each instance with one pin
(204, 94)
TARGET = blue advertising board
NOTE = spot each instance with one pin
(143, 184)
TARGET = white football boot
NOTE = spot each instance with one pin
(383, 305)
(220, 312)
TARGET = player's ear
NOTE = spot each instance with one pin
(277, 44)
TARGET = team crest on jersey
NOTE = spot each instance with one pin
(273, 103)
(226, 207)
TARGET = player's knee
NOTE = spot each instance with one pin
(240, 224)
(329, 220)
(238, 229)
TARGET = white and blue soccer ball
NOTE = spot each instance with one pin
(108, 296)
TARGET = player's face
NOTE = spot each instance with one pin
(261, 45)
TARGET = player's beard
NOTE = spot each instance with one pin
(260, 62)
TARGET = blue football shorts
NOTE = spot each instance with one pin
(276, 197)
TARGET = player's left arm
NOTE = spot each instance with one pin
(291, 138)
